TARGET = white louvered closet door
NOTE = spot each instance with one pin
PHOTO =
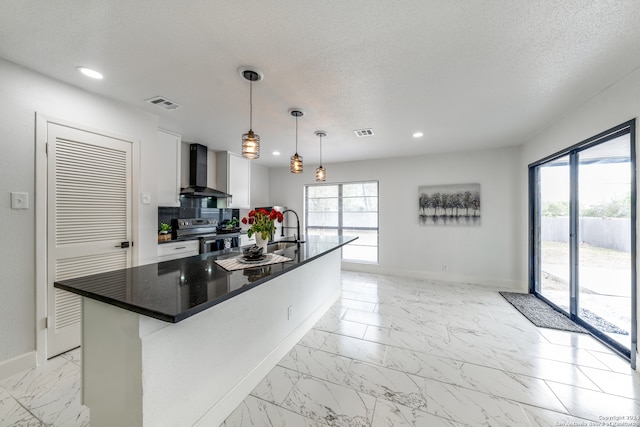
(89, 216)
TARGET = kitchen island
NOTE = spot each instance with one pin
(183, 342)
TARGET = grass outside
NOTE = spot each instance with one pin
(557, 254)
(601, 292)
(590, 256)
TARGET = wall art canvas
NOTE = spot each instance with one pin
(457, 204)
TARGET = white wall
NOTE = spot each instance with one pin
(23, 93)
(489, 254)
(615, 105)
(259, 185)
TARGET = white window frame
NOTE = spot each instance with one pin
(340, 228)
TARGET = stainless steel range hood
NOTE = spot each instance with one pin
(198, 175)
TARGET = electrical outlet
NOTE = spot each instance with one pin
(289, 312)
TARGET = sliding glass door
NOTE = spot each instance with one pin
(583, 235)
(554, 246)
(604, 224)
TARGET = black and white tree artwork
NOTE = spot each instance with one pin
(449, 204)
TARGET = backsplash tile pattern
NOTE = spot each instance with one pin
(190, 210)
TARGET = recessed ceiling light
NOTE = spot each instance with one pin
(90, 73)
(418, 134)
(276, 153)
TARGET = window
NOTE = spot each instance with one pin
(349, 209)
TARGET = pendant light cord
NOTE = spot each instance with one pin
(320, 150)
(296, 135)
(250, 104)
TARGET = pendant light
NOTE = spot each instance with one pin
(296, 160)
(251, 141)
(321, 173)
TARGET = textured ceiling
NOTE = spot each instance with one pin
(469, 74)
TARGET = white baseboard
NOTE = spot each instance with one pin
(489, 283)
(17, 364)
(227, 404)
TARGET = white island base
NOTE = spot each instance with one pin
(139, 371)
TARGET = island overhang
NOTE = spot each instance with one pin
(175, 290)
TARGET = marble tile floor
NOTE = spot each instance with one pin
(399, 352)
(48, 395)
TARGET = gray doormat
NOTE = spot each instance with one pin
(541, 314)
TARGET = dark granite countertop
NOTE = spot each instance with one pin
(174, 290)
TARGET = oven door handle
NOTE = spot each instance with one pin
(208, 242)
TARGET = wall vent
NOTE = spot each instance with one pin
(363, 132)
(163, 102)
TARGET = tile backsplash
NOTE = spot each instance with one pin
(166, 214)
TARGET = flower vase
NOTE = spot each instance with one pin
(261, 243)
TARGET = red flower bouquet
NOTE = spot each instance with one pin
(262, 221)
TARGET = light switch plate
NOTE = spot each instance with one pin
(146, 198)
(19, 200)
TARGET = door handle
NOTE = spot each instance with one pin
(123, 245)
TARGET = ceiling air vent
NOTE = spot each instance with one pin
(363, 132)
(163, 102)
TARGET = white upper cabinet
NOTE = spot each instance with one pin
(240, 181)
(233, 173)
(168, 164)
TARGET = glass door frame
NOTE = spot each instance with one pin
(535, 255)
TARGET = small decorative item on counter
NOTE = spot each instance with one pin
(262, 222)
(233, 223)
(262, 225)
(252, 252)
(163, 232)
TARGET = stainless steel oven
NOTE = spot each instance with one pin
(217, 243)
(206, 231)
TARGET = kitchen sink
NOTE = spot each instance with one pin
(278, 248)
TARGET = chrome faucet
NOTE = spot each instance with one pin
(296, 237)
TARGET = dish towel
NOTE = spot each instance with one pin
(234, 263)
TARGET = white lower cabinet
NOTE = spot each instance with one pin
(175, 250)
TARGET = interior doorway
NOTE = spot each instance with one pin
(583, 237)
(88, 220)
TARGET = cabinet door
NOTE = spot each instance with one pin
(168, 166)
(239, 181)
(175, 250)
